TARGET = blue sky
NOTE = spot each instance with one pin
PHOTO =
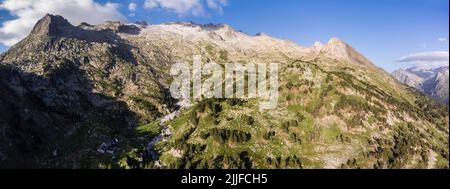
(382, 30)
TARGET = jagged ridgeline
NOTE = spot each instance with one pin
(431, 81)
(97, 97)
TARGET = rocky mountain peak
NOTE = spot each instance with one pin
(50, 25)
(408, 78)
(336, 48)
(261, 34)
(217, 26)
(431, 81)
(224, 30)
(336, 41)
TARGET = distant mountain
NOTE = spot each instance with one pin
(431, 81)
(98, 97)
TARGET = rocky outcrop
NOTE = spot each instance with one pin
(61, 79)
(337, 48)
(431, 81)
(408, 78)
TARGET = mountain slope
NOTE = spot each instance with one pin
(75, 81)
(408, 78)
(97, 97)
(433, 82)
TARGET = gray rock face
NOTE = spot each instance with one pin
(51, 25)
(431, 81)
(437, 84)
(338, 49)
(62, 78)
(408, 78)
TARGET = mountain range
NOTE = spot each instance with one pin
(98, 97)
(431, 81)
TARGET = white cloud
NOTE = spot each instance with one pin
(434, 58)
(27, 12)
(132, 7)
(442, 39)
(217, 5)
(183, 7)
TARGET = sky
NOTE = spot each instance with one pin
(392, 33)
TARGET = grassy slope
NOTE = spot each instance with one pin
(346, 118)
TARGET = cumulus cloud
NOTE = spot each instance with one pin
(132, 7)
(217, 5)
(27, 12)
(183, 7)
(427, 58)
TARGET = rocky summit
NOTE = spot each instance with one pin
(98, 97)
(431, 81)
